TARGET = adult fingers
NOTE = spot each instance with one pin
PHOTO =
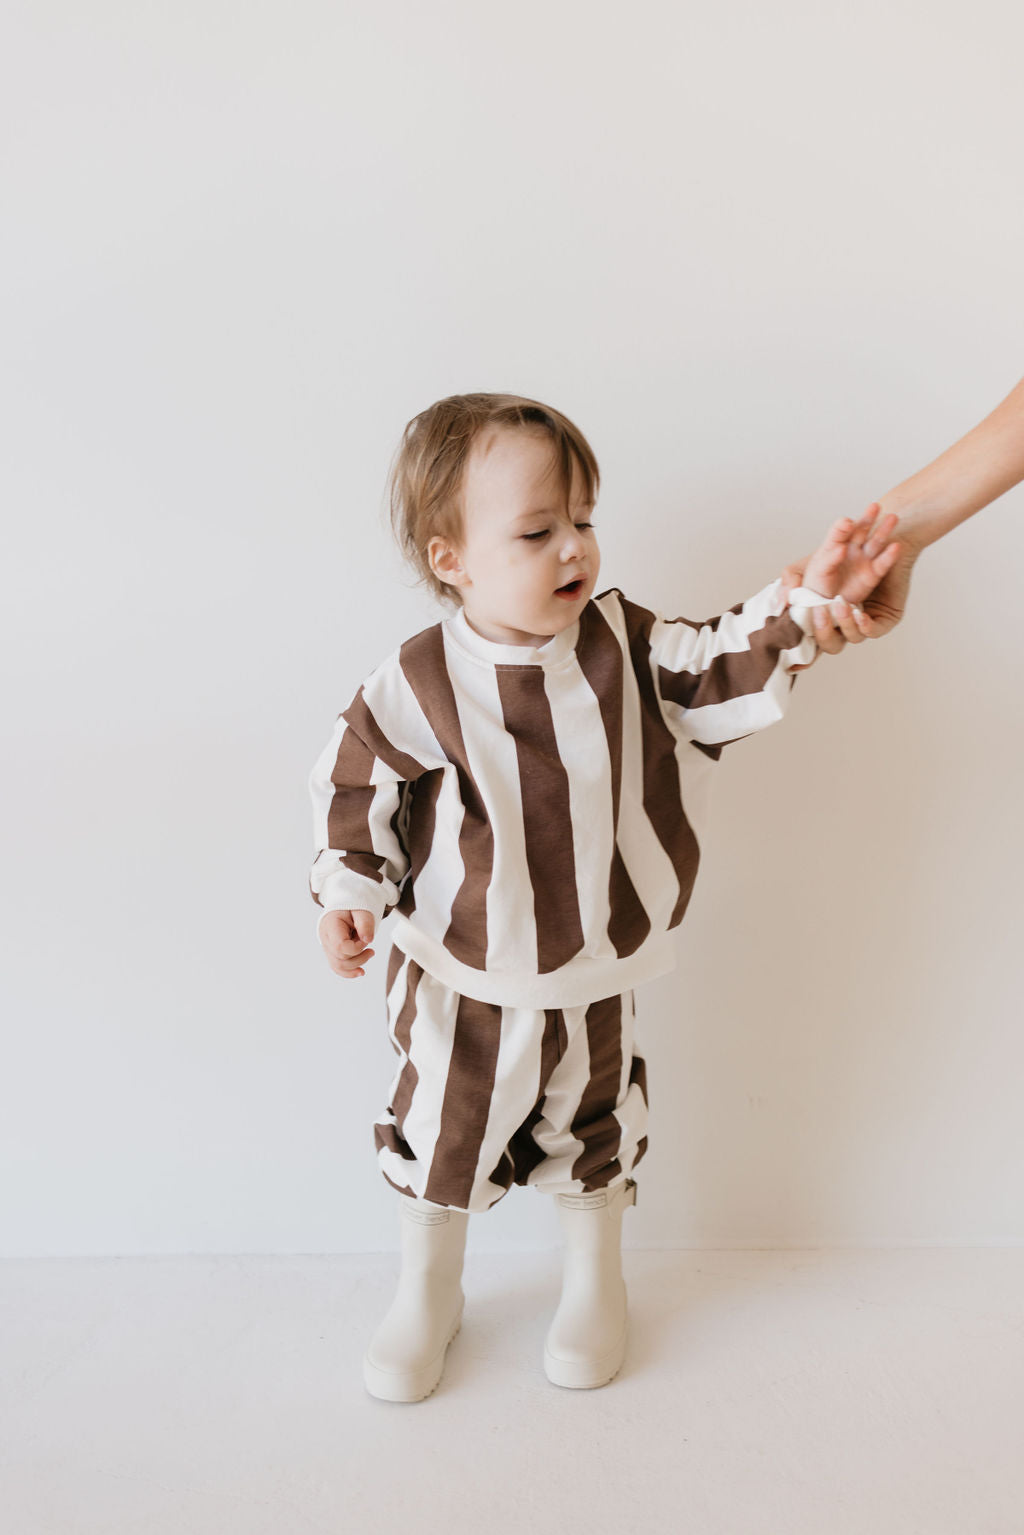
(871, 628)
(843, 617)
(881, 564)
(881, 535)
(828, 637)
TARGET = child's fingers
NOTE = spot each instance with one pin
(837, 537)
(866, 523)
(348, 951)
(835, 547)
(841, 531)
(827, 636)
(348, 969)
(352, 940)
(829, 558)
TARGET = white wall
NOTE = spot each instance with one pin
(768, 258)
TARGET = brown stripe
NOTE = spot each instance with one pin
(735, 674)
(547, 821)
(348, 817)
(399, 1186)
(638, 1074)
(714, 751)
(386, 1134)
(395, 958)
(467, 1101)
(419, 836)
(663, 799)
(386, 1137)
(359, 717)
(706, 623)
(600, 658)
(526, 1154)
(594, 1122)
(555, 1019)
(504, 1174)
(422, 660)
(403, 1033)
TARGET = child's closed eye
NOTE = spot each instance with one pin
(544, 531)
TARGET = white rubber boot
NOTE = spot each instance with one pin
(406, 1356)
(586, 1342)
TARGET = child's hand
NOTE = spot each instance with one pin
(832, 629)
(854, 557)
(343, 934)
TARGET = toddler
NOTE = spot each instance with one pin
(525, 784)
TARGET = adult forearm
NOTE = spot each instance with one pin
(974, 471)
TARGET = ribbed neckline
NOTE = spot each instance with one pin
(554, 651)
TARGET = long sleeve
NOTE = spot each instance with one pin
(359, 814)
(726, 678)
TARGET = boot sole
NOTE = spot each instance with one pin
(584, 1374)
(409, 1385)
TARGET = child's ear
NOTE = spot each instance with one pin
(445, 562)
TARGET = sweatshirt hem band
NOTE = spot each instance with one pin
(579, 984)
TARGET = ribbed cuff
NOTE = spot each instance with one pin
(801, 600)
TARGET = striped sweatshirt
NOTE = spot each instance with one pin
(534, 815)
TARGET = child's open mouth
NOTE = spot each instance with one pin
(573, 589)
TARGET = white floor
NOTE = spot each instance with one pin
(875, 1391)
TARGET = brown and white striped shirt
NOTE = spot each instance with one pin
(535, 813)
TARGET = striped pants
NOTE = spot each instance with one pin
(486, 1096)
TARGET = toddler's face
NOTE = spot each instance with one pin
(520, 545)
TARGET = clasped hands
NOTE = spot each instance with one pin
(867, 573)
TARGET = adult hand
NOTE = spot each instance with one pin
(883, 608)
(834, 624)
(886, 604)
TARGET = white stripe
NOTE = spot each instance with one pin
(336, 885)
(583, 749)
(494, 764)
(393, 704)
(516, 1085)
(679, 648)
(563, 1095)
(631, 1111)
(431, 1039)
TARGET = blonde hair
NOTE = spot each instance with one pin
(426, 476)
